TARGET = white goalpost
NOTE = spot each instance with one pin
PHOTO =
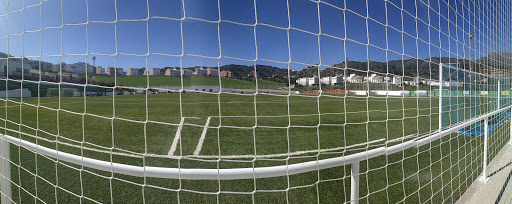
(5, 168)
(136, 102)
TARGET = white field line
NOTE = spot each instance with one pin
(199, 156)
(201, 139)
(316, 114)
(176, 138)
(282, 154)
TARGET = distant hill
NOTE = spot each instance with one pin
(264, 72)
(424, 68)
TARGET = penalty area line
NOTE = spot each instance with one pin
(201, 139)
(176, 138)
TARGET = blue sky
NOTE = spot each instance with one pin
(92, 28)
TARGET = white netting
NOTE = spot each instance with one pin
(189, 101)
(468, 94)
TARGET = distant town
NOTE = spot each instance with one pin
(353, 78)
(409, 73)
(76, 70)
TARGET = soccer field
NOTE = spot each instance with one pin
(259, 101)
(159, 81)
(202, 130)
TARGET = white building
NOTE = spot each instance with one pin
(350, 77)
(325, 80)
(78, 67)
(154, 71)
(15, 67)
(212, 72)
(51, 68)
(176, 72)
(302, 81)
(186, 73)
(73, 68)
(397, 80)
(201, 72)
(132, 72)
(353, 78)
(374, 78)
(332, 80)
(336, 80)
(100, 70)
(313, 81)
(172, 72)
(111, 71)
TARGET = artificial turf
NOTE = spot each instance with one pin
(240, 124)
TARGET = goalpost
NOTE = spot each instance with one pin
(377, 101)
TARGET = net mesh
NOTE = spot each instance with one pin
(246, 84)
(64, 92)
(464, 91)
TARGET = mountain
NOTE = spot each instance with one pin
(424, 68)
(264, 72)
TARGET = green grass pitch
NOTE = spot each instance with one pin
(142, 81)
(264, 125)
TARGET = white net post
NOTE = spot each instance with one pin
(499, 95)
(5, 171)
(440, 97)
(354, 183)
(486, 141)
(510, 140)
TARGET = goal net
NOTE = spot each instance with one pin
(251, 101)
(63, 92)
(467, 94)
